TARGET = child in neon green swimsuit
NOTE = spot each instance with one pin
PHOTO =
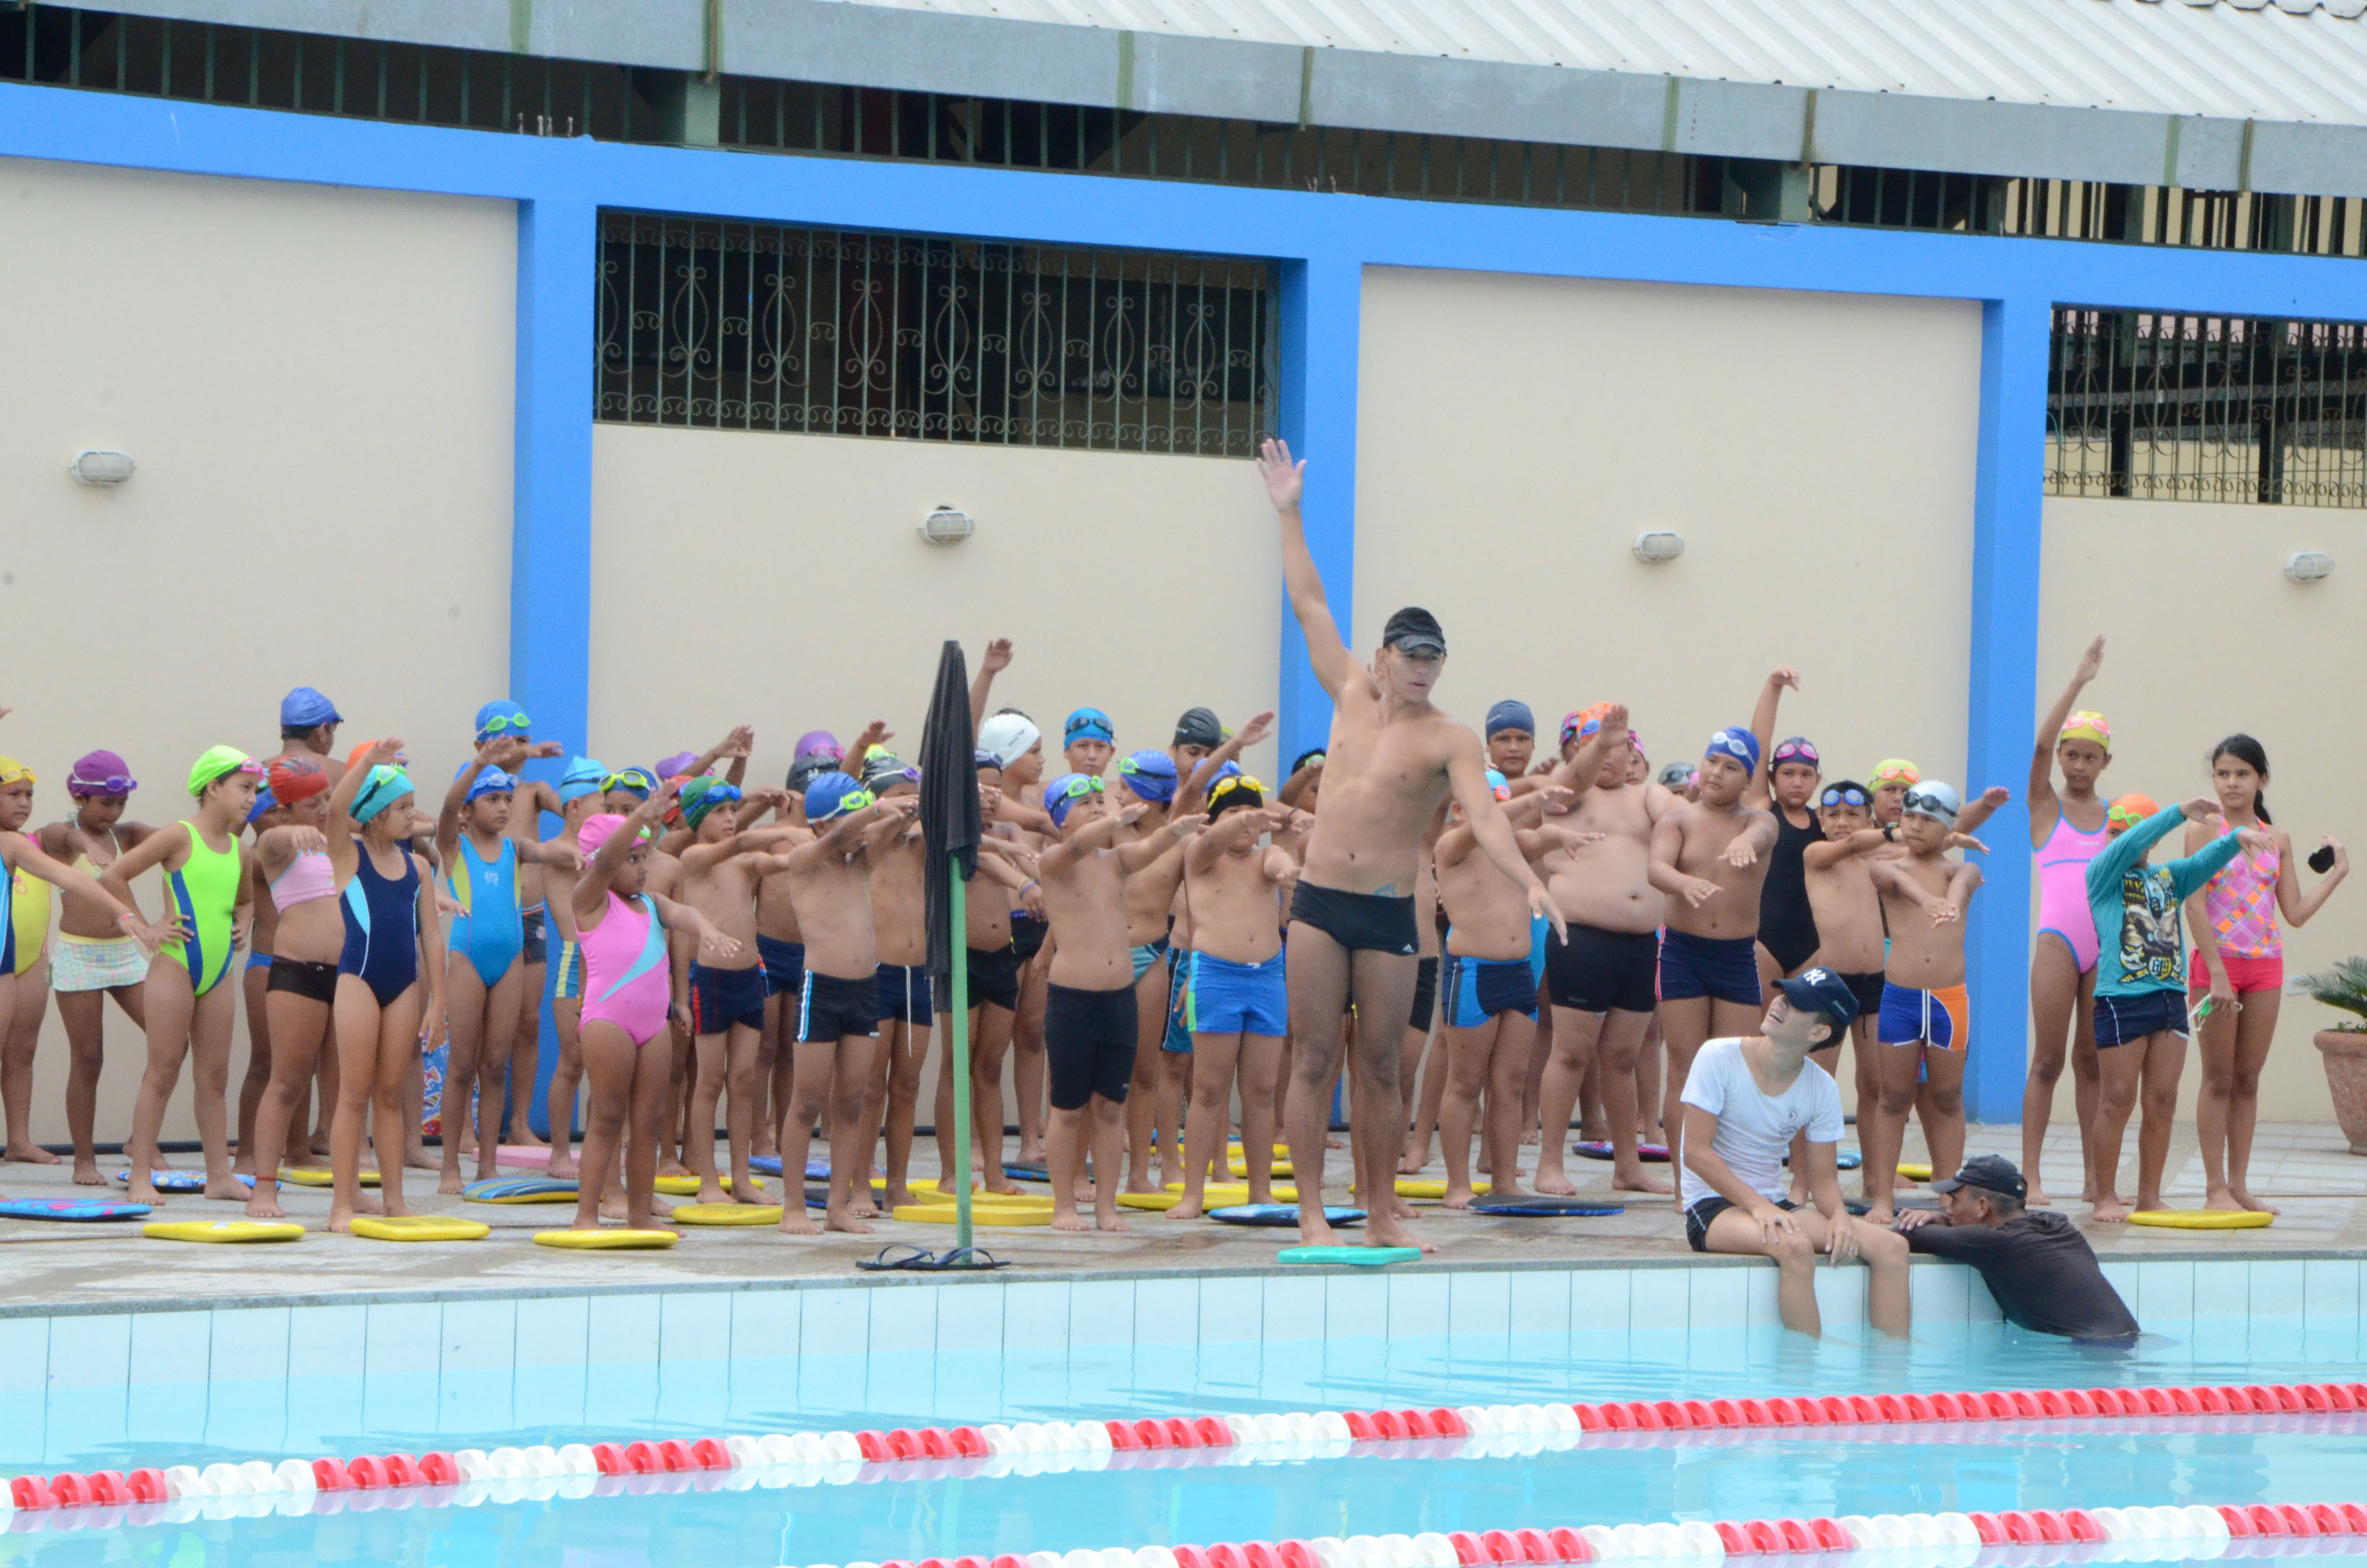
(207, 909)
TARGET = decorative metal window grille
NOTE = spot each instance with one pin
(755, 326)
(2207, 408)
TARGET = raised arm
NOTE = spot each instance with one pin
(2044, 807)
(2297, 905)
(1762, 789)
(1285, 483)
(1466, 777)
(1092, 839)
(1825, 852)
(1191, 793)
(1203, 853)
(1585, 765)
(991, 663)
(592, 887)
(447, 821)
(1139, 853)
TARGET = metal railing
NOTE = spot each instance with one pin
(2169, 407)
(755, 326)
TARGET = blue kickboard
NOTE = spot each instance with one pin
(770, 1164)
(519, 1190)
(1280, 1214)
(69, 1208)
(1360, 1257)
(1026, 1172)
(176, 1181)
(1543, 1207)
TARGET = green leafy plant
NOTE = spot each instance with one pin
(2343, 987)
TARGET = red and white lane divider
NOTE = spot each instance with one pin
(469, 1475)
(2201, 1532)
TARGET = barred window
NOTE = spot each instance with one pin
(756, 326)
(2167, 407)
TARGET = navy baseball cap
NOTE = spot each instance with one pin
(1821, 991)
(1985, 1172)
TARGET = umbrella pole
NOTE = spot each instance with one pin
(958, 892)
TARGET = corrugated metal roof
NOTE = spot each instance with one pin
(2290, 59)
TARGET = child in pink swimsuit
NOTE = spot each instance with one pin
(628, 993)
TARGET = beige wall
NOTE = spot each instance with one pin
(1815, 450)
(781, 581)
(317, 386)
(2207, 636)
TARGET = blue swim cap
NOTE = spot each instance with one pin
(384, 787)
(834, 795)
(1511, 715)
(501, 718)
(1228, 771)
(636, 781)
(1736, 743)
(263, 803)
(583, 777)
(1149, 774)
(1065, 791)
(493, 781)
(1088, 724)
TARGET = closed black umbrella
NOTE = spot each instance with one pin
(950, 828)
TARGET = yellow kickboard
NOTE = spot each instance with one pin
(978, 1198)
(318, 1175)
(727, 1213)
(1280, 1167)
(1426, 1187)
(1215, 1194)
(606, 1241)
(419, 1227)
(2204, 1218)
(1914, 1172)
(996, 1218)
(687, 1186)
(224, 1231)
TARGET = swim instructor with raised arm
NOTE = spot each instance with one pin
(1392, 758)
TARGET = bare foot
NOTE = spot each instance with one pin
(1028, 1156)
(2088, 1193)
(561, 1165)
(243, 1166)
(1555, 1184)
(264, 1206)
(1189, 1209)
(229, 1189)
(1070, 1220)
(452, 1184)
(341, 1220)
(1506, 1189)
(1330, 1142)
(797, 1223)
(1638, 1180)
(2036, 1198)
(613, 1206)
(847, 1221)
(421, 1160)
(2222, 1198)
(524, 1137)
(1900, 1183)
(1411, 1161)
(1878, 1213)
(140, 1189)
(2258, 1206)
(2109, 1211)
(1458, 1197)
(895, 1197)
(998, 1182)
(1383, 1230)
(1529, 1139)
(31, 1155)
(1113, 1221)
(86, 1174)
(863, 1206)
(318, 1145)
(712, 1190)
(368, 1203)
(674, 1167)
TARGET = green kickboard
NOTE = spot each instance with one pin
(1362, 1258)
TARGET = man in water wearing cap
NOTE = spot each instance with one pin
(1744, 1102)
(1710, 858)
(1924, 1033)
(2036, 1263)
(1392, 758)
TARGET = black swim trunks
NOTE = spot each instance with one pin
(1868, 988)
(315, 981)
(1027, 935)
(994, 977)
(1364, 922)
(1597, 971)
(1426, 994)
(1088, 1044)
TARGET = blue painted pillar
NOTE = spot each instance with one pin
(550, 525)
(2007, 539)
(1322, 307)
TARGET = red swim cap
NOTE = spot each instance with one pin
(295, 779)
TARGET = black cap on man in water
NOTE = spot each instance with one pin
(1986, 1173)
(1413, 631)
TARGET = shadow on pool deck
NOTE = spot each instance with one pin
(49, 1267)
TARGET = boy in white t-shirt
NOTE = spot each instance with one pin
(1744, 1100)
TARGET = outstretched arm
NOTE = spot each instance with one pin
(1763, 729)
(30, 857)
(1192, 794)
(2043, 809)
(1138, 854)
(1286, 482)
(1585, 765)
(1467, 776)
(993, 663)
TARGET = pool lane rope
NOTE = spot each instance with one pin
(469, 1476)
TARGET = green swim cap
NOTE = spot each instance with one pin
(216, 762)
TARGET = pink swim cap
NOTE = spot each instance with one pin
(596, 831)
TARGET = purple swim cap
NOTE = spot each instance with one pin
(819, 743)
(100, 773)
(675, 766)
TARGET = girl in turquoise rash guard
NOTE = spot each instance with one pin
(2141, 982)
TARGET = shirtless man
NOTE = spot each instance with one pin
(1710, 857)
(1602, 977)
(838, 1017)
(1391, 759)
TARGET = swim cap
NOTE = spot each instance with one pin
(1798, 748)
(834, 795)
(1199, 727)
(583, 777)
(1239, 791)
(384, 787)
(1937, 800)
(1511, 715)
(263, 803)
(1499, 785)
(2130, 810)
(596, 831)
(1736, 743)
(305, 709)
(819, 742)
(100, 773)
(216, 762)
(1846, 792)
(353, 758)
(15, 772)
(1149, 774)
(1678, 776)
(1088, 724)
(1584, 724)
(501, 718)
(636, 781)
(983, 760)
(493, 781)
(1065, 791)
(295, 779)
(806, 769)
(2087, 726)
(1896, 770)
(1008, 735)
(677, 766)
(885, 770)
(1305, 760)
(1636, 741)
(702, 795)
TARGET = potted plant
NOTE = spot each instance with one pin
(2344, 1047)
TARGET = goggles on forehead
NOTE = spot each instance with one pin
(505, 724)
(113, 784)
(639, 780)
(1852, 796)
(1079, 787)
(13, 772)
(1798, 751)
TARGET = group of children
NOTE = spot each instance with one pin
(707, 947)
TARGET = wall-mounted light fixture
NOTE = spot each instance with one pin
(2308, 566)
(1658, 547)
(948, 525)
(106, 468)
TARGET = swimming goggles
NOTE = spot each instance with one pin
(506, 724)
(15, 772)
(1798, 750)
(1897, 771)
(1089, 722)
(639, 780)
(1837, 796)
(854, 800)
(113, 784)
(1081, 785)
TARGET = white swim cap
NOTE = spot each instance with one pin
(1008, 735)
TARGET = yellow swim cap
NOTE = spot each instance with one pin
(15, 772)
(2087, 726)
(1896, 770)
